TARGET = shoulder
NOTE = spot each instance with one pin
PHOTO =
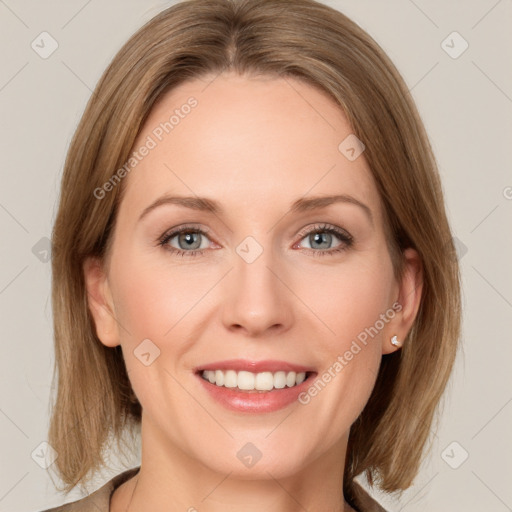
(99, 500)
(365, 502)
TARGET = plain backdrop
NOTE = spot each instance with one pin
(465, 99)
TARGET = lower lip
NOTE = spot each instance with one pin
(268, 401)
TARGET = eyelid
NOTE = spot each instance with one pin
(325, 227)
(172, 232)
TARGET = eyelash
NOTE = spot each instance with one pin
(346, 239)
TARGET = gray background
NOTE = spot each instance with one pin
(466, 104)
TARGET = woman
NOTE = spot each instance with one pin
(252, 263)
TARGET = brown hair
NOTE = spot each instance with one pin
(321, 46)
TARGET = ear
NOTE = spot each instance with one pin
(100, 302)
(408, 302)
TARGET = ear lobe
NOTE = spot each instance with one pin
(410, 292)
(99, 299)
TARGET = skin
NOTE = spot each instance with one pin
(255, 145)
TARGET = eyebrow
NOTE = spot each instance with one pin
(300, 205)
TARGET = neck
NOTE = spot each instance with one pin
(172, 480)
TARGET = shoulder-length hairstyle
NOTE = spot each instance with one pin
(305, 40)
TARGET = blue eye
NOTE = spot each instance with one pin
(323, 235)
(190, 240)
(186, 236)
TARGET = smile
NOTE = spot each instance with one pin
(256, 382)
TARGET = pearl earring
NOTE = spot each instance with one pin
(394, 341)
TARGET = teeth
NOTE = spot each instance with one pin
(248, 381)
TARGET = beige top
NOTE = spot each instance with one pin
(99, 500)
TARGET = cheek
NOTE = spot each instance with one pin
(151, 300)
(152, 304)
(352, 305)
(351, 300)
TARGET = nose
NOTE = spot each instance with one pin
(256, 298)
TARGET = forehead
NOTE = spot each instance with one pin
(262, 140)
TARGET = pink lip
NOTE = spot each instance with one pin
(252, 401)
(254, 366)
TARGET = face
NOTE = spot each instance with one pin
(263, 275)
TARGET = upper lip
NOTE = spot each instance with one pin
(255, 366)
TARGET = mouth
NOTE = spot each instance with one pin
(249, 382)
(255, 386)
(255, 377)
